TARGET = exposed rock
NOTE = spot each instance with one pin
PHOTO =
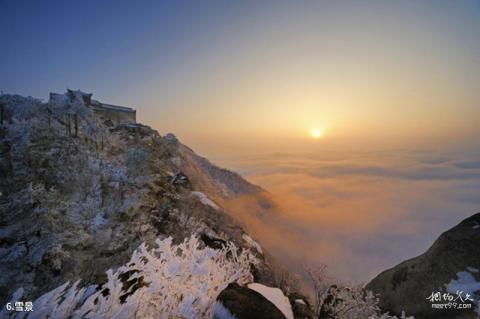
(215, 243)
(274, 295)
(180, 179)
(108, 123)
(454, 254)
(245, 303)
(300, 306)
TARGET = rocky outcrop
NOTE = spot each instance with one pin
(452, 263)
(300, 306)
(244, 303)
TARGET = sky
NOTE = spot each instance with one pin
(255, 76)
(360, 117)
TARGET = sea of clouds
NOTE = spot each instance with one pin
(357, 212)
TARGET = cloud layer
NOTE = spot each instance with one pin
(359, 213)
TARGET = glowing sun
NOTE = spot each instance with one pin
(316, 133)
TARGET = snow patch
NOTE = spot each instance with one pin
(252, 243)
(300, 301)
(466, 282)
(177, 161)
(275, 296)
(171, 138)
(220, 312)
(205, 200)
(98, 220)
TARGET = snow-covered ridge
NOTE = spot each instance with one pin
(205, 200)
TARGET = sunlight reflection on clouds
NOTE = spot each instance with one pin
(359, 213)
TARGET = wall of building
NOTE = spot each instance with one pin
(117, 117)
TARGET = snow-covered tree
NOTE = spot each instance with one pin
(169, 281)
(334, 301)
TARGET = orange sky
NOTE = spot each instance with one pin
(244, 77)
(374, 76)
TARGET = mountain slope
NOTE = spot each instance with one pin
(79, 194)
(452, 263)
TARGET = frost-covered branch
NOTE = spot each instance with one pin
(334, 301)
(170, 280)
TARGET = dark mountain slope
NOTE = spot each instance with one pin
(452, 263)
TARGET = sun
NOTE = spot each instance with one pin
(316, 133)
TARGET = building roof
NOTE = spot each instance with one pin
(115, 108)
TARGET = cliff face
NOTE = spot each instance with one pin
(451, 265)
(78, 195)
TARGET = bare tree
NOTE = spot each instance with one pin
(320, 282)
(285, 280)
(335, 301)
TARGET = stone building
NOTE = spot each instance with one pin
(115, 113)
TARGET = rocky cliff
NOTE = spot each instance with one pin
(80, 195)
(444, 275)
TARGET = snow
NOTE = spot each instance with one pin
(58, 98)
(176, 161)
(387, 316)
(205, 200)
(171, 137)
(220, 312)
(170, 287)
(275, 296)
(252, 243)
(17, 296)
(466, 282)
(99, 220)
(300, 301)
